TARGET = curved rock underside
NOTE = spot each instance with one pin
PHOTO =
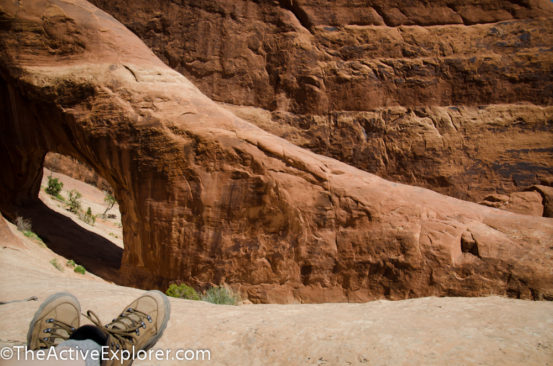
(413, 91)
(207, 198)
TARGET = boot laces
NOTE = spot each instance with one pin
(54, 332)
(124, 329)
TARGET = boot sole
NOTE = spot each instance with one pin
(46, 302)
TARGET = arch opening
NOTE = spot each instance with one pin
(77, 222)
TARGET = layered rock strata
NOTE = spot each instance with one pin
(208, 198)
(451, 95)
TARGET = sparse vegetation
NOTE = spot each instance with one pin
(76, 267)
(25, 226)
(31, 235)
(222, 295)
(88, 217)
(110, 200)
(55, 263)
(114, 235)
(54, 187)
(182, 291)
(74, 203)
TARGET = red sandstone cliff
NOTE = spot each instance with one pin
(451, 95)
(206, 197)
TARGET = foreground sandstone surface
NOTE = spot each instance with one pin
(425, 331)
(452, 95)
(207, 198)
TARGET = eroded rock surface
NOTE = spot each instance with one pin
(469, 331)
(451, 95)
(206, 197)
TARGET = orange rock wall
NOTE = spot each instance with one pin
(451, 95)
(207, 197)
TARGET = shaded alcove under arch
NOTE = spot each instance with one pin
(62, 234)
(29, 129)
(27, 134)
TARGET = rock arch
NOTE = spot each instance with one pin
(207, 198)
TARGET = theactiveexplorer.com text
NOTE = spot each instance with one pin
(21, 353)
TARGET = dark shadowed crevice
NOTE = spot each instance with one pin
(298, 12)
(70, 240)
(469, 244)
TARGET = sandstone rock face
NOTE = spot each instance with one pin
(536, 201)
(547, 194)
(206, 197)
(6, 236)
(526, 203)
(75, 169)
(451, 95)
(484, 331)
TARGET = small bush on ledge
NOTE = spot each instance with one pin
(79, 269)
(182, 291)
(88, 217)
(24, 225)
(76, 267)
(54, 187)
(222, 295)
(74, 204)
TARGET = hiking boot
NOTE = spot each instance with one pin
(54, 321)
(138, 327)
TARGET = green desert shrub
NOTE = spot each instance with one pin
(222, 295)
(88, 217)
(54, 187)
(76, 267)
(31, 235)
(182, 291)
(74, 204)
(79, 269)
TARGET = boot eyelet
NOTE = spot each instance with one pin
(137, 332)
(47, 330)
(149, 318)
(143, 325)
(50, 320)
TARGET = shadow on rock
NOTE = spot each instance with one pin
(62, 235)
